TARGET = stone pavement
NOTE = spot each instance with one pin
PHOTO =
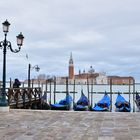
(68, 125)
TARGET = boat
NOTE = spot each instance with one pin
(64, 104)
(137, 101)
(102, 105)
(82, 103)
(44, 104)
(41, 103)
(121, 104)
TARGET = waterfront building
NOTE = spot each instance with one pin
(90, 76)
(82, 77)
(102, 78)
(120, 80)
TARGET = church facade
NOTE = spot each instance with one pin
(83, 77)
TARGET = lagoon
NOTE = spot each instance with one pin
(94, 92)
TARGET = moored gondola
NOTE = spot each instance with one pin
(82, 103)
(122, 105)
(137, 101)
(64, 104)
(102, 105)
(44, 104)
(41, 104)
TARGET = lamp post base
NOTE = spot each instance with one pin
(4, 108)
(3, 101)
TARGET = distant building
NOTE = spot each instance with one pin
(91, 76)
(120, 80)
(102, 78)
(82, 77)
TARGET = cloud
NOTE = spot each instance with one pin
(101, 33)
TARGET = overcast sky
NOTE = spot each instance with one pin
(101, 33)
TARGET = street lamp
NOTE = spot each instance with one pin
(7, 45)
(29, 72)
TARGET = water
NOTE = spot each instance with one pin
(96, 89)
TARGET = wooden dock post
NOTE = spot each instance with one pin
(67, 89)
(24, 97)
(41, 89)
(10, 82)
(0, 84)
(74, 92)
(92, 93)
(23, 84)
(110, 94)
(129, 90)
(50, 91)
(46, 89)
(134, 97)
(88, 90)
(54, 92)
(38, 83)
(32, 83)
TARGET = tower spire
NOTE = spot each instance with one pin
(71, 67)
(71, 59)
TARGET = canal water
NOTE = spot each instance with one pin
(97, 92)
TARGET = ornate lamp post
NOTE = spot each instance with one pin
(29, 72)
(7, 45)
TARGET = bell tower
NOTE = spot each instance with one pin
(71, 67)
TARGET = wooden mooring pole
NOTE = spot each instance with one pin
(92, 93)
(74, 92)
(46, 89)
(129, 90)
(10, 82)
(110, 94)
(67, 83)
(88, 89)
(54, 90)
(32, 83)
(134, 97)
(50, 91)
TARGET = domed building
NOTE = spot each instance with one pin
(83, 77)
(91, 76)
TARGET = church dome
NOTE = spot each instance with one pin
(91, 70)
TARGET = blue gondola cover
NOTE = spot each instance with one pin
(103, 104)
(82, 103)
(122, 105)
(64, 104)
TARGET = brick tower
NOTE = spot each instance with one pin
(71, 67)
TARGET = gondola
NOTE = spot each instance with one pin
(64, 104)
(137, 101)
(41, 104)
(122, 105)
(82, 103)
(102, 105)
(44, 104)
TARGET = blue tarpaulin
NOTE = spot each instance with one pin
(82, 103)
(122, 105)
(63, 104)
(103, 104)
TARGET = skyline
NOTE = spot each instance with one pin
(104, 34)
